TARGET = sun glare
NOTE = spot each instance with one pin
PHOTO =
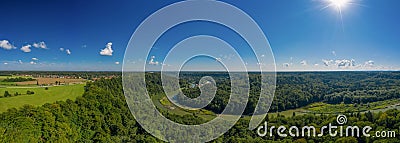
(339, 4)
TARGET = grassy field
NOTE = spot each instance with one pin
(4, 77)
(324, 108)
(349, 108)
(40, 80)
(289, 113)
(163, 103)
(51, 81)
(41, 96)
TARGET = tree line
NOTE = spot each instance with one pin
(18, 79)
(8, 94)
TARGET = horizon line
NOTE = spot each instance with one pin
(200, 71)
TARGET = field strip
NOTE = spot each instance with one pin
(23, 87)
(41, 95)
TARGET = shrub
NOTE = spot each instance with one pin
(30, 92)
(7, 94)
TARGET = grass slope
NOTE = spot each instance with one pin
(163, 103)
(324, 108)
(40, 97)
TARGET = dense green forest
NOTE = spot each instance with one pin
(298, 89)
(102, 115)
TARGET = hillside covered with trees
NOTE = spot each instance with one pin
(101, 114)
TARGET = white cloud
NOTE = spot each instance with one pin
(26, 48)
(226, 57)
(327, 62)
(40, 45)
(6, 45)
(35, 59)
(117, 63)
(345, 63)
(335, 65)
(32, 63)
(303, 62)
(369, 63)
(20, 62)
(152, 61)
(107, 51)
(6, 63)
(286, 64)
(262, 55)
(36, 45)
(68, 51)
(339, 63)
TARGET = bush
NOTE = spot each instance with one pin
(30, 92)
(7, 94)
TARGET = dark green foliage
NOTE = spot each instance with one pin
(298, 89)
(101, 114)
(30, 92)
(7, 94)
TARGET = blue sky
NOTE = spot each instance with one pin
(302, 35)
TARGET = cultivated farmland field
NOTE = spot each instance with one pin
(40, 81)
(2, 77)
(41, 96)
(48, 81)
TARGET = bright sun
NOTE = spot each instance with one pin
(339, 4)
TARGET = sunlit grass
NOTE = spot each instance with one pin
(40, 97)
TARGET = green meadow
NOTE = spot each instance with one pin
(163, 103)
(40, 96)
